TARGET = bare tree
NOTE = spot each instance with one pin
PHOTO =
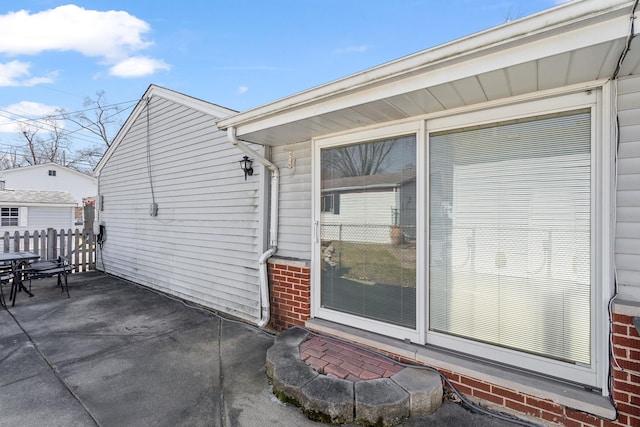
(100, 118)
(9, 158)
(359, 159)
(46, 141)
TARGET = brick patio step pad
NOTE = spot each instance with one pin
(381, 402)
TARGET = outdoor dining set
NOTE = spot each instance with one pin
(16, 268)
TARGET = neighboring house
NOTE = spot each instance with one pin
(53, 177)
(387, 201)
(29, 210)
(177, 212)
(525, 141)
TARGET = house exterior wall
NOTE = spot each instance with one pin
(37, 178)
(42, 218)
(205, 241)
(294, 232)
(627, 244)
(39, 218)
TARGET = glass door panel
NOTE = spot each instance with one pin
(510, 235)
(368, 230)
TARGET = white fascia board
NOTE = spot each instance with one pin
(561, 29)
(197, 104)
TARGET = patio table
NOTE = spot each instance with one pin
(17, 260)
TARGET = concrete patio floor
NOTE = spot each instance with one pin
(116, 354)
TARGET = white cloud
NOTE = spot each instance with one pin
(110, 34)
(138, 66)
(16, 73)
(242, 89)
(14, 114)
(352, 49)
(113, 36)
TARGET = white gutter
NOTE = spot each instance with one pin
(265, 306)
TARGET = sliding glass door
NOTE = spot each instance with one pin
(510, 235)
(367, 232)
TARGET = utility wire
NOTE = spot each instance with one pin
(20, 113)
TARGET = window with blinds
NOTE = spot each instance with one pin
(10, 217)
(510, 235)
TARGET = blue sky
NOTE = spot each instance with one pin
(239, 54)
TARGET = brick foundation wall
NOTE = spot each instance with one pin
(626, 388)
(626, 376)
(290, 283)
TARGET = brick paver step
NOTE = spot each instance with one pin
(339, 383)
(352, 363)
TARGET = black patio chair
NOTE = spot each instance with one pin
(59, 267)
(6, 274)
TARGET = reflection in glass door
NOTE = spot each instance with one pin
(368, 230)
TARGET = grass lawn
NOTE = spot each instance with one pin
(376, 263)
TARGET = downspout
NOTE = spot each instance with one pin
(265, 305)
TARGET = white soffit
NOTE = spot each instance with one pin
(569, 45)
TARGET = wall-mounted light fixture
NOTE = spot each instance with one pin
(245, 165)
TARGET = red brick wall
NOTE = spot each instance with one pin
(290, 285)
(626, 387)
(291, 305)
(626, 377)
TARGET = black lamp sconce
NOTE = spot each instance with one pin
(245, 165)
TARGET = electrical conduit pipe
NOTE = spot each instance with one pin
(265, 306)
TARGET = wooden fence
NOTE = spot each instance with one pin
(78, 246)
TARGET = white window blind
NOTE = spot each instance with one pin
(510, 258)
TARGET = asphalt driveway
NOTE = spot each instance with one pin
(116, 354)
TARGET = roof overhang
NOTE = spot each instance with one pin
(571, 45)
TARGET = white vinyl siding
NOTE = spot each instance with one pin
(205, 242)
(38, 218)
(294, 236)
(627, 247)
(42, 218)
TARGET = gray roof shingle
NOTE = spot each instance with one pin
(36, 197)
